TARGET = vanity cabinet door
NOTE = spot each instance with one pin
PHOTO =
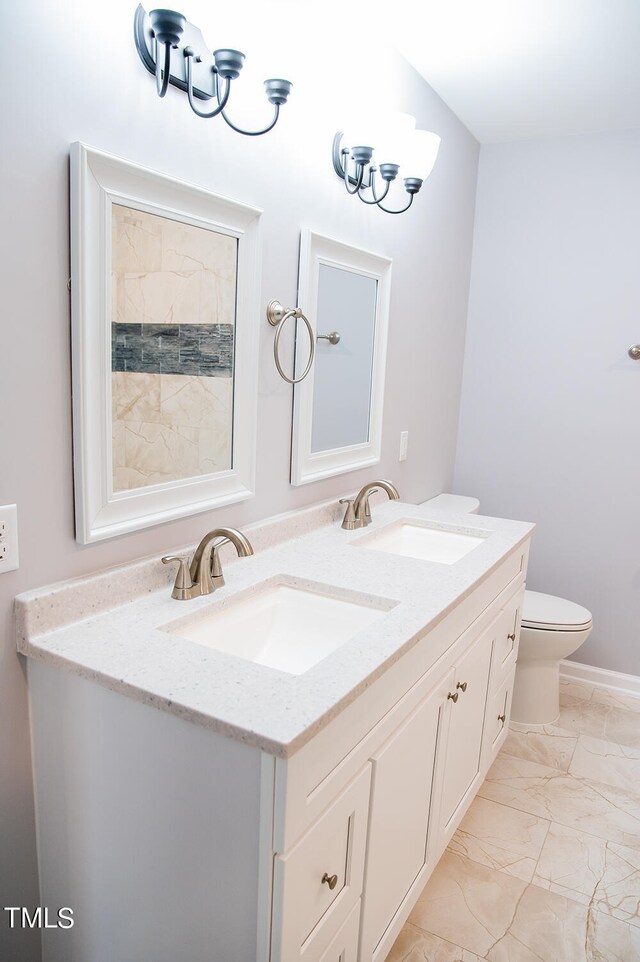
(466, 718)
(319, 881)
(402, 779)
(507, 635)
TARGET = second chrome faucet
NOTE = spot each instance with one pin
(204, 574)
(358, 512)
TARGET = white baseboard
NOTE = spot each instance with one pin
(602, 677)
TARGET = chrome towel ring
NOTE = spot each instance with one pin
(277, 316)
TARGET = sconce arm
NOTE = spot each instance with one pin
(188, 56)
(339, 155)
(372, 185)
(254, 133)
(348, 179)
(402, 209)
(340, 165)
(163, 73)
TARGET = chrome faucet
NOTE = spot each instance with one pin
(204, 574)
(358, 512)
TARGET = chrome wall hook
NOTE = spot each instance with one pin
(277, 316)
(174, 51)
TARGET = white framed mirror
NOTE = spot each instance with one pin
(337, 413)
(165, 309)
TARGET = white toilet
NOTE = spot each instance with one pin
(552, 629)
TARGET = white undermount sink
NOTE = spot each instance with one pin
(444, 544)
(281, 625)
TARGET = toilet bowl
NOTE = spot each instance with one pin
(552, 629)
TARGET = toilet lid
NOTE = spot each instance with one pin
(552, 613)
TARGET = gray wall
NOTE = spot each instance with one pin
(85, 82)
(550, 402)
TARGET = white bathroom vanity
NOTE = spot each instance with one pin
(258, 805)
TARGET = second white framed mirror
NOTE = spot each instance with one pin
(337, 416)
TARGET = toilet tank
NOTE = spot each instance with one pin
(456, 503)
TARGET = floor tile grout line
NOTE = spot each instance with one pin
(458, 948)
(569, 734)
(583, 778)
(550, 822)
(575, 748)
(523, 811)
(565, 825)
(494, 868)
(603, 710)
(534, 858)
(574, 895)
(527, 885)
(576, 778)
(544, 842)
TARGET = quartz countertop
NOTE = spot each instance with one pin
(76, 626)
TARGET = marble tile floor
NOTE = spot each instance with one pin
(545, 866)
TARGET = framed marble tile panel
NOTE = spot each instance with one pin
(165, 312)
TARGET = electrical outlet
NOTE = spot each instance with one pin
(8, 537)
(404, 445)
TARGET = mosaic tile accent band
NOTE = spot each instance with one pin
(205, 350)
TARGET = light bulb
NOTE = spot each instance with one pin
(392, 135)
(359, 128)
(420, 154)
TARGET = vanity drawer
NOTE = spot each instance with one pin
(344, 948)
(507, 636)
(308, 911)
(498, 714)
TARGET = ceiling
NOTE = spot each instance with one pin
(524, 69)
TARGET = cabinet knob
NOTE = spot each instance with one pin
(502, 718)
(512, 637)
(462, 685)
(331, 880)
(453, 695)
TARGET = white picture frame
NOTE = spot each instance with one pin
(99, 180)
(317, 250)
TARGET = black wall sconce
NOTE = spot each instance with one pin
(174, 51)
(399, 146)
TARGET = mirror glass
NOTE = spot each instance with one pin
(337, 419)
(343, 370)
(173, 310)
(165, 314)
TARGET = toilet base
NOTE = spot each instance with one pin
(536, 693)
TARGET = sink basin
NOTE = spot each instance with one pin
(282, 625)
(444, 544)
